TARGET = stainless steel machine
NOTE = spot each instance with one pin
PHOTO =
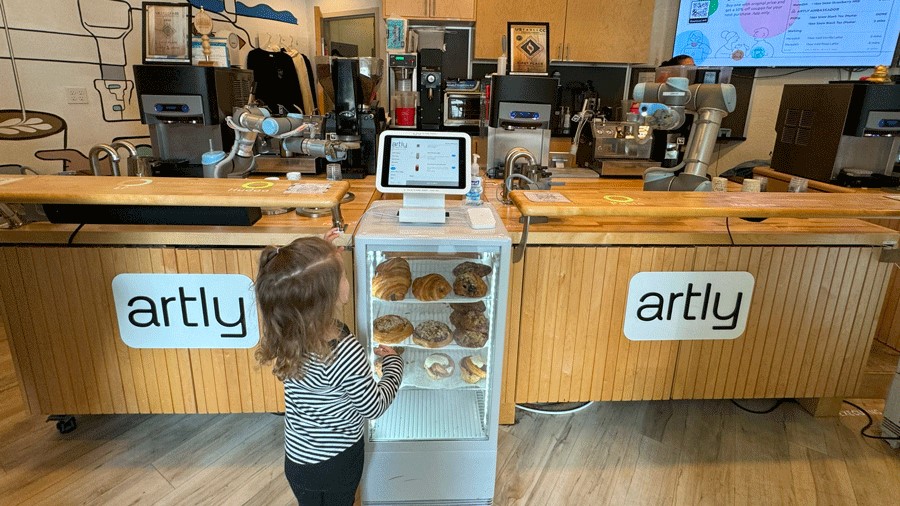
(521, 109)
(844, 133)
(185, 107)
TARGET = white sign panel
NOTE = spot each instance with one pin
(664, 306)
(186, 310)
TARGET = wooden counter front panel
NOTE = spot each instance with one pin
(809, 331)
(571, 346)
(64, 336)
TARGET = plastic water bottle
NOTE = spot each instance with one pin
(473, 197)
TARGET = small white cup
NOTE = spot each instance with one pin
(720, 184)
(293, 176)
(751, 185)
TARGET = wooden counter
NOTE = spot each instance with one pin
(819, 290)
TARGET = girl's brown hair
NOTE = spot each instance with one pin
(297, 289)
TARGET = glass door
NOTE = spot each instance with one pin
(438, 310)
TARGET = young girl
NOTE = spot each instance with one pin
(329, 387)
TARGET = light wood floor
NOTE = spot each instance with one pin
(684, 452)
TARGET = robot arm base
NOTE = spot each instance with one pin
(665, 181)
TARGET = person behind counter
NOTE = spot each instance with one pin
(668, 146)
(329, 388)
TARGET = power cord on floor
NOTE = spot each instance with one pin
(531, 408)
(779, 402)
(869, 424)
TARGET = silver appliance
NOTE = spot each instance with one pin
(437, 442)
(622, 148)
(521, 108)
(845, 133)
(185, 107)
(462, 104)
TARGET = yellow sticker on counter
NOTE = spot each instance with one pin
(131, 183)
(257, 185)
(6, 180)
(618, 199)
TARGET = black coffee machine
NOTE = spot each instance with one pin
(350, 83)
(431, 95)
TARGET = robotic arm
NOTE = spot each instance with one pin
(250, 121)
(664, 105)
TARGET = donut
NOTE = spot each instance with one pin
(472, 368)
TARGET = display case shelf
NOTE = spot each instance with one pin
(433, 415)
(416, 377)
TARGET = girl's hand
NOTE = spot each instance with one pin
(383, 351)
(332, 234)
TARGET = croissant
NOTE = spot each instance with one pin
(390, 286)
(395, 264)
(430, 287)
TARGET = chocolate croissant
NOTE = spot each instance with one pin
(430, 287)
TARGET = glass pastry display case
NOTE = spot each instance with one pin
(437, 294)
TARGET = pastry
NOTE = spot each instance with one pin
(468, 284)
(470, 338)
(432, 334)
(469, 320)
(438, 366)
(391, 329)
(378, 362)
(472, 368)
(479, 270)
(430, 287)
(392, 264)
(467, 306)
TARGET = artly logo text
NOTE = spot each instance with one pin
(688, 305)
(186, 310)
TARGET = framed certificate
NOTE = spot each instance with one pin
(528, 45)
(167, 32)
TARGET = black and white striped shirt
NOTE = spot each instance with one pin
(325, 410)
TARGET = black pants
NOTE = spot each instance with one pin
(329, 483)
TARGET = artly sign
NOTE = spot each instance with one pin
(666, 306)
(186, 310)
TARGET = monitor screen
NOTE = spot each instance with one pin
(423, 162)
(788, 33)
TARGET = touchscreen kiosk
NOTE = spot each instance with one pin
(423, 166)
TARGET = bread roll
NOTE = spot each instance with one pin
(470, 338)
(469, 320)
(473, 368)
(479, 270)
(468, 284)
(430, 287)
(391, 329)
(438, 366)
(432, 334)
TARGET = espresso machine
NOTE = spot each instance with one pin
(185, 107)
(431, 95)
(351, 83)
(843, 133)
(403, 87)
(521, 110)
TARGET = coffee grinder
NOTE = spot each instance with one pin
(350, 83)
(431, 95)
(403, 86)
(185, 107)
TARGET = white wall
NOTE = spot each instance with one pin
(92, 37)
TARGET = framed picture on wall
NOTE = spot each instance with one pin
(528, 47)
(167, 32)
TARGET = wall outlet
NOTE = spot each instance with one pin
(76, 95)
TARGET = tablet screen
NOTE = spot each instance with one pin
(427, 162)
